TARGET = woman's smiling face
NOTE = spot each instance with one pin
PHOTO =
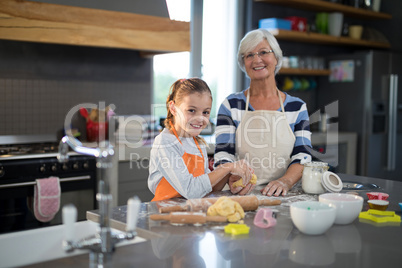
(260, 66)
(192, 114)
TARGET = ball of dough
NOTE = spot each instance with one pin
(239, 183)
(225, 206)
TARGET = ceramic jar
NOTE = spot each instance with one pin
(316, 179)
(312, 176)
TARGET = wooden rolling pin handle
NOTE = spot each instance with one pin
(159, 217)
(199, 218)
(172, 209)
(268, 202)
(192, 218)
(216, 218)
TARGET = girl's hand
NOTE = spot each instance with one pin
(242, 168)
(239, 190)
(233, 179)
(277, 187)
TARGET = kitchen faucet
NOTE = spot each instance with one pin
(101, 245)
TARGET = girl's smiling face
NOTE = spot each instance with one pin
(191, 114)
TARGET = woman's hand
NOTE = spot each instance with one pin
(285, 183)
(277, 187)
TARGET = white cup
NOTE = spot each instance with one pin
(335, 23)
(376, 5)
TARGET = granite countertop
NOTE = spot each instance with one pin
(360, 244)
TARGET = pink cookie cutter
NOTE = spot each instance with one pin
(264, 218)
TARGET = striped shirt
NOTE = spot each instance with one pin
(231, 112)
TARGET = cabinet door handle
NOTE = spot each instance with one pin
(392, 121)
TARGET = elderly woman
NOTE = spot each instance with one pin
(267, 127)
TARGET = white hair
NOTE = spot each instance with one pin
(251, 41)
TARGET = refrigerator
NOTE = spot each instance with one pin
(367, 86)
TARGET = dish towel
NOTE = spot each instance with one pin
(46, 198)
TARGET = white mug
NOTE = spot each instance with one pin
(376, 5)
(335, 23)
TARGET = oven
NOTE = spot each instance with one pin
(22, 164)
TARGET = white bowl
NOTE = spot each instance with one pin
(312, 217)
(348, 206)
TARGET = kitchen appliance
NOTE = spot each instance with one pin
(23, 159)
(370, 104)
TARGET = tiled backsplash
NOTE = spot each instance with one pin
(40, 106)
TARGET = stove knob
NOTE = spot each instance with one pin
(64, 167)
(2, 171)
(42, 168)
(86, 165)
(76, 165)
(54, 167)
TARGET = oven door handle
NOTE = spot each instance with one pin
(13, 185)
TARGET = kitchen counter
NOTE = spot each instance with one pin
(360, 244)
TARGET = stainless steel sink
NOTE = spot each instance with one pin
(356, 186)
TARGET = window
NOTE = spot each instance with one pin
(219, 48)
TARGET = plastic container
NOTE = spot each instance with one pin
(274, 23)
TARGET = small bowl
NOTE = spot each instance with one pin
(312, 217)
(348, 206)
(377, 195)
(378, 204)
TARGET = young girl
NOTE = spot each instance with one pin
(179, 163)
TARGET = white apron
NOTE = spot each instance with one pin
(266, 140)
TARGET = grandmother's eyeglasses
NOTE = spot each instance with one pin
(261, 54)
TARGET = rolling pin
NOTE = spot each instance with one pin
(187, 217)
(248, 203)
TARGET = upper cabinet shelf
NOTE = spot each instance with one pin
(325, 6)
(58, 24)
(308, 37)
(295, 71)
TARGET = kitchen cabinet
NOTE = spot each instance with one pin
(325, 39)
(325, 6)
(297, 71)
(322, 39)
(59, 24)
(133, 180)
